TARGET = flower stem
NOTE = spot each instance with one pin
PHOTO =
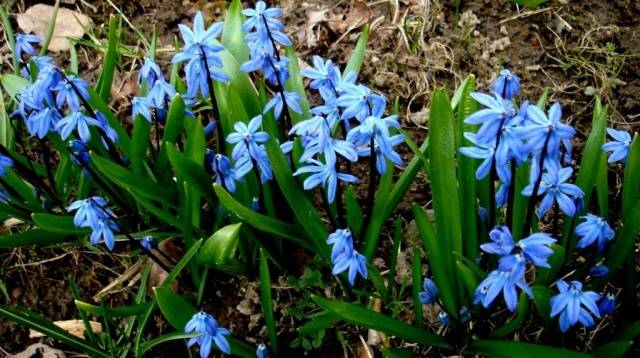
(214, 103)
(511, 195)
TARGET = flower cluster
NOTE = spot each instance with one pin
(345, 257)
(512, 265)
(93, 213)
(208, 332)
(265, 33)
(200, 54)
(154, 105)
(55, 101)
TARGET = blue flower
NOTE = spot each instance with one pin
(291, 99)
(24, 44)
(599, 271)
(542, 126)
(225, 175)
(353, 261)
(465, 315)
(247, 138)
(429, 293)
(199, 52)
(41, 122)
(41, 62)
(619, 147)
(209, 332)
(141, 106)
(607, 304)
(70, 90)
(358, 101)
(342, 242)
(501, 281)
(80, 152)
(555, 188)
(594, 228)
(535, 248)
(261, 351)
(76, 121)
(322, 74)
(259, 157)
(573, 305)
(482, 150)
(150, 72)
(502, 242)
(148, 243)
(443, 318)
(492, 118)
(324, 174)
(5, 162)
(257, 19)
(330, 147)
(103, 230)
(88, 211)
(507, 84)
(161, 93)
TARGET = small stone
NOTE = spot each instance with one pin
(590, 91)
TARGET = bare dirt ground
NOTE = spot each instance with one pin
(576, 49)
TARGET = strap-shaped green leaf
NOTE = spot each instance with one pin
(62, 224)
(259, 221)
(357, 56)
(33, 237)
(361, 316)
(232, 35)
(122, 311)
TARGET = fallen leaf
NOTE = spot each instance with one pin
(40, 350)
(69, 24)
(358, 15)
(73, 326)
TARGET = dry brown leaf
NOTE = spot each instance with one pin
(358, 15)
(73, 326)
(69, 24)
(39, 350)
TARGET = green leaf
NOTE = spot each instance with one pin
(109, 62)
(191, 172)
(625, 238)
(354, 211)
(304, 211)
(96, 102)
(438, 260)
(62, 224)
(357, 56)
(612, 349)
(416, 287)
(139, 144)
(174, 308)
(267, 305)
(122, 311)
(259, 221)
(589, 167)
(6, 24)
(14, 84)
(631, 181)
(532, 4)
(182, 263)
(318, 323)
(507, 349)
(132, 182)
(541, 296)
(466, 170)
(358, 315)
(175, 118)
(547, 275)
(221, 247)
(38, 323)
(173, 336)
(295, 84)
(33, 237)
(397, 353)
(443, 173)
(232, 35)
(629, 332)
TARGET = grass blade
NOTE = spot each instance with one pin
(267, 306)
